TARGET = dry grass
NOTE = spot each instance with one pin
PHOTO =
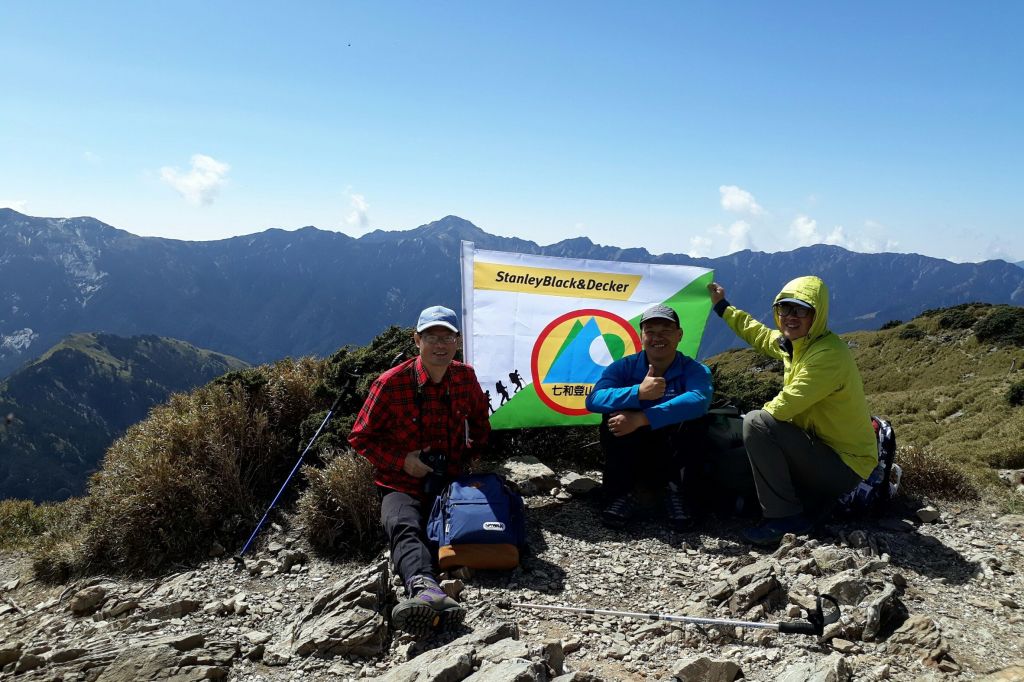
(339, 508)
(23, 523)
(930, 476)
(199, 469)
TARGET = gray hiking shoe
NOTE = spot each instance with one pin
(427, 610)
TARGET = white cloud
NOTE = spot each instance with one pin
(91, 157)
(804, 230)
(739, 236)
(16, 204)
(358, 216)
(700, 247)
(201, 183)
(739, 200)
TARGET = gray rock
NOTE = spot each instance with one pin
(64, 655)
(703, 669)
(529, 474)
(752, 593)
(289, 558)
(554, 654)
(345, 618)
(28, 662)
(849, 587)
(922, 636)
(449, 663)
(831, 669)
(173, 610)
(87, 600)
(880, 611)
(257, 637)
(182, 642)
(832, 559)
(516, 670)
(9, 653)
(578, 485)
(118, 609)
(140, 663)
(928, 514)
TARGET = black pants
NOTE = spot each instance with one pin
(404, 517)
(651, 458)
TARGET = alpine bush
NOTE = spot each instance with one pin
(1004, 325)
(956, 318)
(746, 389)
(338, 509)
(1015, 394)
(911, 332)
(891, 324)
(927, 475)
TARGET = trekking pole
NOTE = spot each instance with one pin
(239, 557)
(814, 625)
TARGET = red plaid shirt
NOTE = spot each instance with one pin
(394, 422)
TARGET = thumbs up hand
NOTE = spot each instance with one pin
(652, 387)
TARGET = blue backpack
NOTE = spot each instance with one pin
(478, 522)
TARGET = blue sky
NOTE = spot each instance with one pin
(696, 127)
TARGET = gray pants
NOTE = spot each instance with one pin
(794, 472)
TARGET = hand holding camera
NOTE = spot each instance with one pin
(430, 465)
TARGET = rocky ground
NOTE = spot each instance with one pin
(920, 601)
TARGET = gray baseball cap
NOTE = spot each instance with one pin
(438, 316)
(659, 312)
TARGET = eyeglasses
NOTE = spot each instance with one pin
(436, 340)
(793, 310)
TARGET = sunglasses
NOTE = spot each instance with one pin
(793, 310)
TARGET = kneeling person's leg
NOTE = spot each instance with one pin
(791, 467)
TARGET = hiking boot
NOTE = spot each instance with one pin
(677, 510)
(427, 610)
(620, 512)
(771, 531)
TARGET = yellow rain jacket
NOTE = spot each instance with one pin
(822, 391)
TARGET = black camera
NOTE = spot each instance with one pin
(434, 482)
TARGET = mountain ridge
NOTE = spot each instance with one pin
(70, 403)
(281, 293)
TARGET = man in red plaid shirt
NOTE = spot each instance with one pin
(421, 424)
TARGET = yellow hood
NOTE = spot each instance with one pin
(809, 289)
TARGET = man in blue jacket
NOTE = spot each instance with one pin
(647, 399)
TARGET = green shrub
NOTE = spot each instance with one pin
(339, 508)
(927, 475)
(956, 318)
(748, 388)
(911, 332)
(1004, 325)
(1015, 394)
(891, 324)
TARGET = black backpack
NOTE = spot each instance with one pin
(871, 495)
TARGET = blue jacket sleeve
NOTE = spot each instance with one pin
(615, 390)
(690, 404)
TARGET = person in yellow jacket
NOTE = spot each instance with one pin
(814, 441)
